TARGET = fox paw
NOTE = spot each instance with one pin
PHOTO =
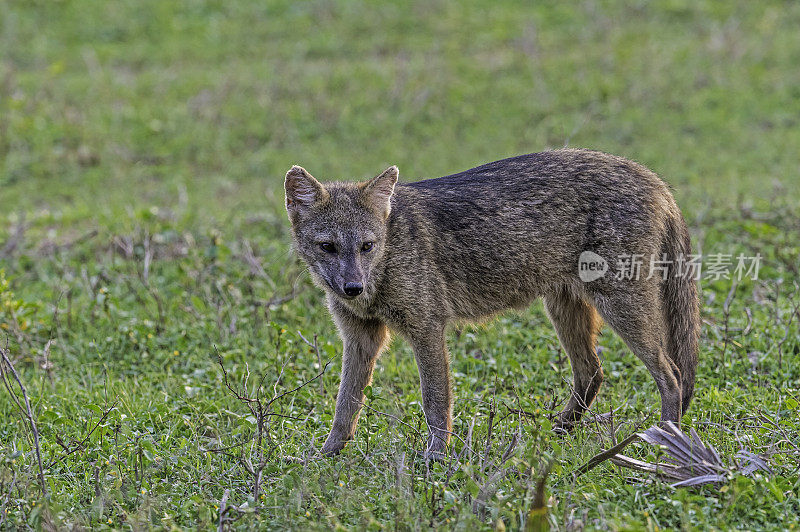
(563, 424)
(333, 445)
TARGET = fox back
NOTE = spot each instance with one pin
(481, 241)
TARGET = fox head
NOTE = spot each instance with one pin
(339, 229)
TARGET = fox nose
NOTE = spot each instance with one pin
(353, 289)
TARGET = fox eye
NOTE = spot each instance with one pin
(367, 246)
(328, 247)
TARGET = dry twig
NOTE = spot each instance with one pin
(5, 367)
(261, 411)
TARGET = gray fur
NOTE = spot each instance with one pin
(467, 246)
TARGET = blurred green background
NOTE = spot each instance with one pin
(107, 105)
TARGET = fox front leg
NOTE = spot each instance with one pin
(433, 363)
(363, 342)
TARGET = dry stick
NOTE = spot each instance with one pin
(80, 444)
(507, 453)
(304, 384)
(780, 429)
(260, 411)
(605, 455)
(28, 412)
(148, 258)
(386, 414)
(222, 507)
(611, 452)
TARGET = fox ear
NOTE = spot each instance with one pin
(302, 191)
(378, 191)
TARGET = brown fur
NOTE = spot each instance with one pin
(464, 247)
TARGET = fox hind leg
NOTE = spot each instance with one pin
(637, 318)
(577, 324)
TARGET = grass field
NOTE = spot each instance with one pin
(144, 248)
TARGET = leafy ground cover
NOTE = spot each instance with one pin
(144, 258)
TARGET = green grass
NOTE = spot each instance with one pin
(158, 133)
